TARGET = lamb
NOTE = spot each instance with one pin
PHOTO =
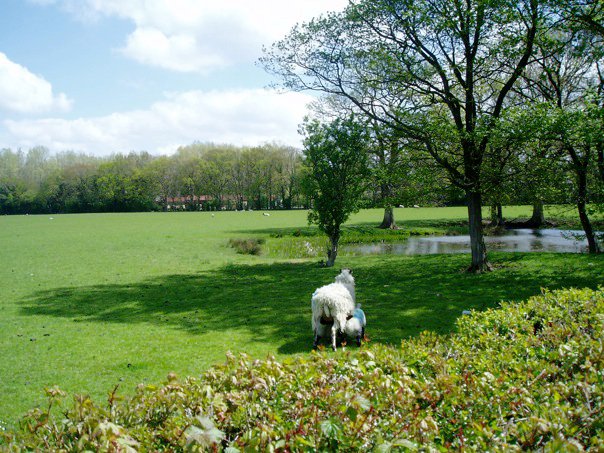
(332, 305)
(355, 326)
(354, 329)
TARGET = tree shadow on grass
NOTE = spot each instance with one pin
(401, 296)
(313, 230)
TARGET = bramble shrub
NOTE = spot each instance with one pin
(526, 376)
(247, 246)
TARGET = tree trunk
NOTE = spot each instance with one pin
(270, 194)
(388, 223)
(386, 198)
(479, 250)
(496, 215)
(332, 252)
(592, 244)
(600, 152)
(538, 218)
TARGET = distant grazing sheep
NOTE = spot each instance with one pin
(332, 305)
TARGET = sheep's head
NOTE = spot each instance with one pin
(345, 277)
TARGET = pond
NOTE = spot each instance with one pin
(517, 240)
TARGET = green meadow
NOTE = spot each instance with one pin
(88, 302)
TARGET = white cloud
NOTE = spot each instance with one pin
(241, 117)
(24, 92)
(178, 52)
(194, 36)
(200, 35)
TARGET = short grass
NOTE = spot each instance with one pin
(91, 301)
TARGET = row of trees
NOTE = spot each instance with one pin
(497, 94)
(264, 177)
(228, 177)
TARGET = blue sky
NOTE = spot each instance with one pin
(106, 76)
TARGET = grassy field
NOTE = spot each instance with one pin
(91, 301)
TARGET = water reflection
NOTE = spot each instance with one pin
(520, 240)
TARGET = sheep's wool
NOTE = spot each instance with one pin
(334, 301)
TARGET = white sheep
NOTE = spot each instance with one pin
(332, 305)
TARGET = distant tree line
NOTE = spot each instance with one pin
(197, 177)
(229, 177)
(205, 176)
(200, 176)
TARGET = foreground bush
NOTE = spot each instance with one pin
(523, 377)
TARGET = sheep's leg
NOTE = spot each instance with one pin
(316, 325)
(317, 340)
(361, 336)
(334, 331)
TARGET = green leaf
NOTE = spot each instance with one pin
(386, 447)
(330, 428)
(352, 413)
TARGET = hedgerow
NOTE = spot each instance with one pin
(525, 376)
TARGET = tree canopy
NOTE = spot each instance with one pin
(338, 174)
(438, 71)
(441, 73)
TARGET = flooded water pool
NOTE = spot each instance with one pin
(518, 240)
